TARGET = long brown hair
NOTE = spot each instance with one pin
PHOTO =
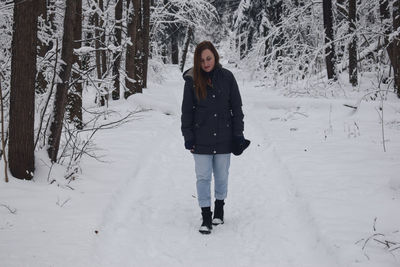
(200, 80)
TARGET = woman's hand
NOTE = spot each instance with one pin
(189, 145)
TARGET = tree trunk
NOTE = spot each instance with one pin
(186, 47)
(22, 93)
(60, 100)
(353, 43)
(117, 55)
(96, 20)
(174, 46)
(341, 18)
(74, 107)
(101, 57)
(139, 48)
(89, 42)
(131, 49)
(164, 52)
(395, 46)
(329, 50)
(42, 49)
(146, 39)
(103, 40)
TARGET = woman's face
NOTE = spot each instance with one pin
(207, 60)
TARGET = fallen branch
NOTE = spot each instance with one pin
(12, 211)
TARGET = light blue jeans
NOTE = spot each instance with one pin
(205, 165)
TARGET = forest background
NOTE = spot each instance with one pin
(52, 51)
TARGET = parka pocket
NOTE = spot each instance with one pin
(227, 120)
(199, 118)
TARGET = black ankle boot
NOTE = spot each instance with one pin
(218, 212)
(206, 226)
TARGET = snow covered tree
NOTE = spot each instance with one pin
(330, 57)
(133, 33)
(117, 53)
(394, 46)
(146, 40)
(353, 43)
(42, 47)
(22, 95)
(60, 101)
(170, 20)
(186, 43)
(74, 106)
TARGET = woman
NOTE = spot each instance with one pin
(212, 126)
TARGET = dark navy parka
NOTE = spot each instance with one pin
(212, 122)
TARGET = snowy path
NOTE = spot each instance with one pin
(153, 218)
(310, 190)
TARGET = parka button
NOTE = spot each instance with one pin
(215, 134)
(213, 96)
(215, 115)
(215, 152)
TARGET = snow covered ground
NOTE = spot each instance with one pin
(315, 188)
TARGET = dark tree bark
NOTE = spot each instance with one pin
(22, 95)
(74, 107)
(394, 46)
(60, 101)
(117, 55)
(342, 17)
(146, 39)
(101, 57)
(164, 52)
(103, 40)
(330, 57)
(186, 47)
(133, 22)
(353, 43)
(42, 49)
(138, 85)
(97, 44)
(174, 45)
